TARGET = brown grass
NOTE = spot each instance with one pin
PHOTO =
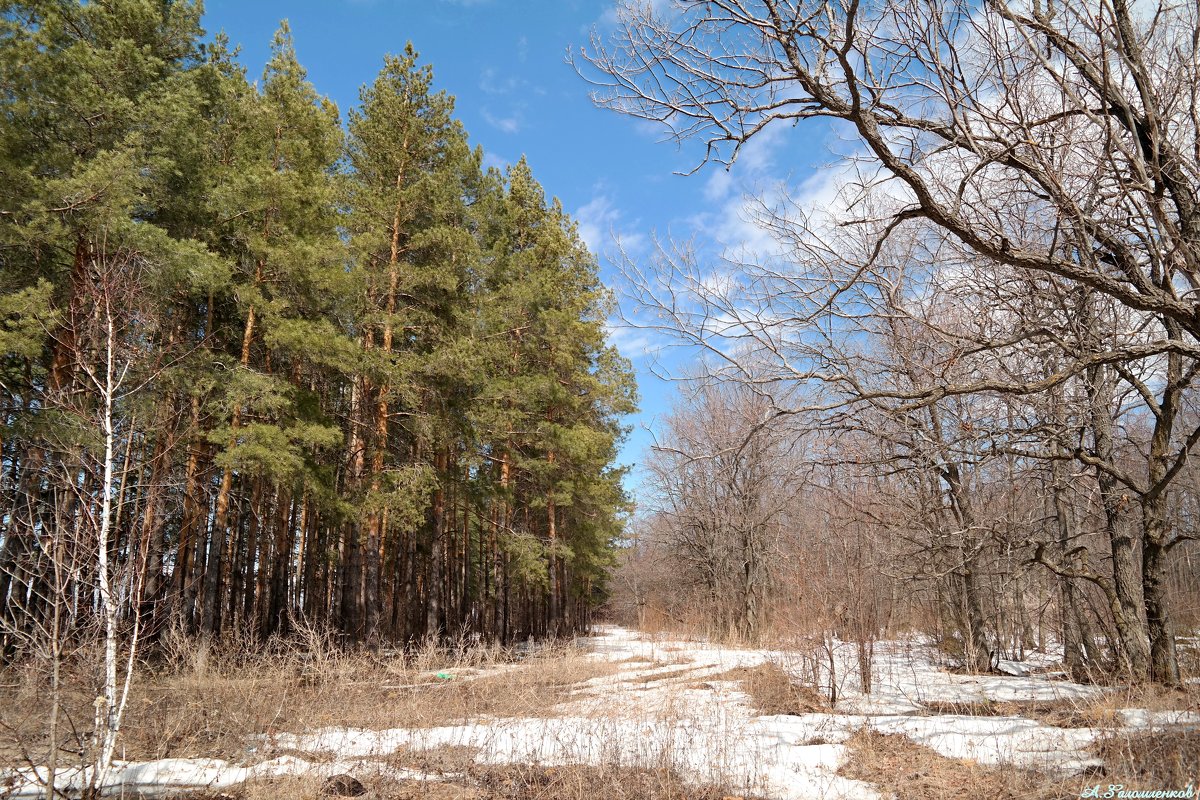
(210, 704)
(662, 675)
(1059, 713)
(772, 690)
(893, 764)
(573, 782)
(450, 759)
(1155, 697)
(1160, 759)
(591, 783)
(899, 767)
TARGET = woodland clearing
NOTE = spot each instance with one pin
(624, 713)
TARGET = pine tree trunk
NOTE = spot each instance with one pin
(150, 535)
(437, 528)
(281, 567)
(218, 566)
(310, 588)
(185, 576)
(500, 557)
(553, 611)
(242, 595)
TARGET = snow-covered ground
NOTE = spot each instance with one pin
(669, 703)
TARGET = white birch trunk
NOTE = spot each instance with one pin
(110, 707)
(106, 703)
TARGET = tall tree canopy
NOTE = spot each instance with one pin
(364, 382)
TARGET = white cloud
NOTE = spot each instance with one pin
(491, 83)
(718, 185)
(736, 228)
(507, 124)
(493, 160)
(599, 223)
(758, 155)
(823, 191)
(740, 190)
(632, 342)
(595, 220)
(612, 15)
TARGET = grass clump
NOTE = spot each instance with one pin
(1058, 713)
(1161, 758)
(900, 768)
(507, 782)
(773, 691)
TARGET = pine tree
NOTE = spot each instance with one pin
(558, 392)
(411, 174)
(279, 232)
(98, 99)
(372, 387)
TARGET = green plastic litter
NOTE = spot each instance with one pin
(444, 676)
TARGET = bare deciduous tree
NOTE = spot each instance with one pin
(1052, 144)
(724, 475)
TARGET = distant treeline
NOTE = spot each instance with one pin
(321, 372)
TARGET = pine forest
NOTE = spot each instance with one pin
(826, 427)
(277, 364)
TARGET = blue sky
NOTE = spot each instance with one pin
(504, 61)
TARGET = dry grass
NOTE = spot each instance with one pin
(1159, 759)
(898, 767)
(1059, 713)
(892, 763)
(208, 703)
(1100, 711)
(573, 782)
(772, 690)
(663, 675)
(450, 759)
(220, 714)
(585, 782)
(203, 701)
(1151, 760)
(1155, 697)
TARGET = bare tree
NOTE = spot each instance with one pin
(1077, 122)
(1057, 140)
(84, 584)
(110, 337)
(723, 476)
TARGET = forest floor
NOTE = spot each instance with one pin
(628, 715)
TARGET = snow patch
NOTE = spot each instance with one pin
(670, 702)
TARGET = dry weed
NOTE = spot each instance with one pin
(590, 782)
(513, 782)
(1165, 758)
(1155, 697)
(663, 674)
(25, 705)
(898, 767)
(772, 690)
(211, 701)
(1058, 713)
(450, 759)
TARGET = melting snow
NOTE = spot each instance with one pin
(668, 704)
